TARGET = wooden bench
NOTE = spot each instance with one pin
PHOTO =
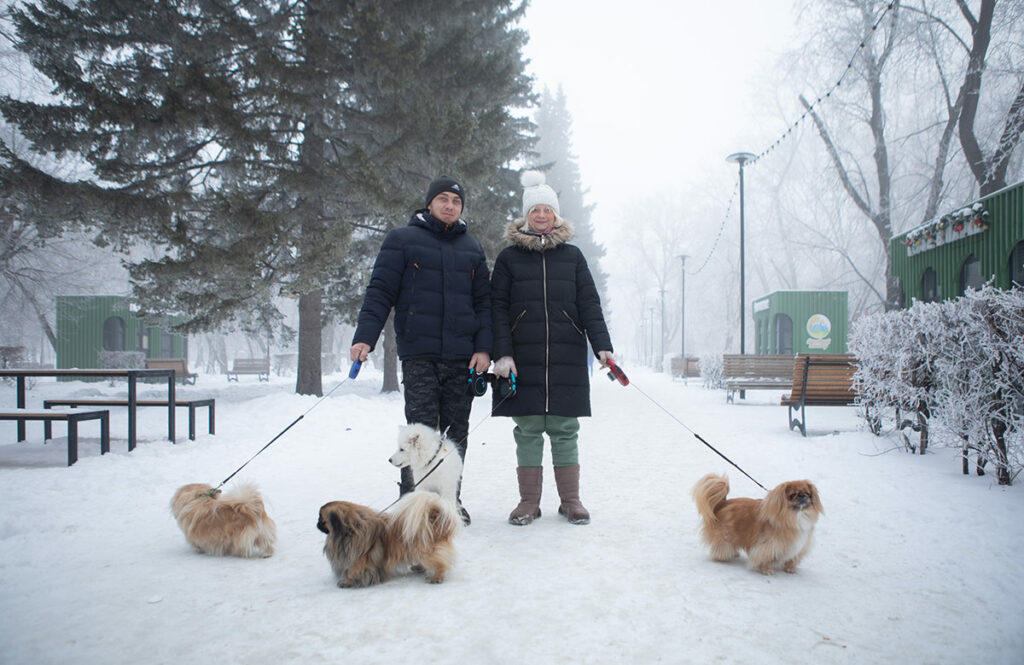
(72, 418)
(684, 369)
(191, 404)
(258, 366)
(179, 366)
(755, 372)
(820, 380)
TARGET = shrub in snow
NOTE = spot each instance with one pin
(958, 365)
(711, 371)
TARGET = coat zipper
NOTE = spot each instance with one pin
(547, 332)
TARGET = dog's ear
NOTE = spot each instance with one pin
(338, 528)
(815, 499)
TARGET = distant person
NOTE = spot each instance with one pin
(545, 308)
(435, 277)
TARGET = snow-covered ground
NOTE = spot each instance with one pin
(913, 563)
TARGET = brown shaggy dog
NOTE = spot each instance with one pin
(235, 524)
(775, 530)
(366, 547)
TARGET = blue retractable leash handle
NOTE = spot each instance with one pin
(353, 371)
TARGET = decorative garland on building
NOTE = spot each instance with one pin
(953, 226)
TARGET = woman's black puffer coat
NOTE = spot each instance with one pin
(545, 306)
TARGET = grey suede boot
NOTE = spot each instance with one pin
(567, 478)
(530, 480)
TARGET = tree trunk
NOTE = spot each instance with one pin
(309, 380)
(999, 429)
(390, 384)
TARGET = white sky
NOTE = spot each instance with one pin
(660, 92)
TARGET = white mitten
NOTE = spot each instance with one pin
(604, 356)
(504, 365)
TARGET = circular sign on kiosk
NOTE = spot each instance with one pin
(818, 329)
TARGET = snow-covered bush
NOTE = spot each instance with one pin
(122, 359)
(957, 364)
(711, 371)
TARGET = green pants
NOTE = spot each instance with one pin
(529, 435)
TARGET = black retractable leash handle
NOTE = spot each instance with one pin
(615, 373)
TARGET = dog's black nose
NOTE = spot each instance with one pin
(320, 525)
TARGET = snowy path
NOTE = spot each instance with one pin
(914, 563)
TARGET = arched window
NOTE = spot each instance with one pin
(784, 334)
(930, 286)
(113, 334)
(970, 275)
(1017, 266)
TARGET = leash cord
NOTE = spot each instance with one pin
(698, 436)
(279, 434)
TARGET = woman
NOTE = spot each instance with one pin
(545, 306)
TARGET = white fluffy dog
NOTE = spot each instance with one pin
(421, 448)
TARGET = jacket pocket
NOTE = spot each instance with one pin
(515, 322)
(574, 324)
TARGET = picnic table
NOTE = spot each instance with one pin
(132, 375)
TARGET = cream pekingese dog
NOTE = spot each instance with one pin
(235, 524)
(774, 530)
(366, 547)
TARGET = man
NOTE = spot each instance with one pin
(434, 275)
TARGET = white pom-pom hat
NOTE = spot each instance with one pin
(536, 192)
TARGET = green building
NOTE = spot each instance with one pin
(980, 241)
(88, 325)
(791, 322)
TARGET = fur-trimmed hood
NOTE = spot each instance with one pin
(518, 233)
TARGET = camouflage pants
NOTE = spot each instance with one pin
(437, 395)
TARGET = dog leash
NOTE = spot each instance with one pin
(352, 373)
(615, 373)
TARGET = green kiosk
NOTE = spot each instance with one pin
(88, 325)
(791, 322)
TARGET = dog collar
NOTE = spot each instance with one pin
(437, 452)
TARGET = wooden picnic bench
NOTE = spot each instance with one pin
(755, 372)
(258, 366)
(72, 418)
(190, 404)
(820, 380)
(179, 366)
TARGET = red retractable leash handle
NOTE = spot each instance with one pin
(615, 373)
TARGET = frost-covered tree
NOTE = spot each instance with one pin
(554, 152)
(238, 140)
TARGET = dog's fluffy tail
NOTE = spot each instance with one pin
(709, 493)
(424, 518)
(246, 503)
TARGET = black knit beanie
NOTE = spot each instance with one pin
(445, 184)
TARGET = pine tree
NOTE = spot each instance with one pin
(243, 138)
(554, 149)
(444, 78)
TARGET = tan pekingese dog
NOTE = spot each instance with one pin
(775, 530)
(235, 524)
(366, 547)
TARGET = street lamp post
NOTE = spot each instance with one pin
(682, 313)
(742, 158)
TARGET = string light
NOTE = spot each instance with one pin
(789, 130)
(849, 67)
(728, 209)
